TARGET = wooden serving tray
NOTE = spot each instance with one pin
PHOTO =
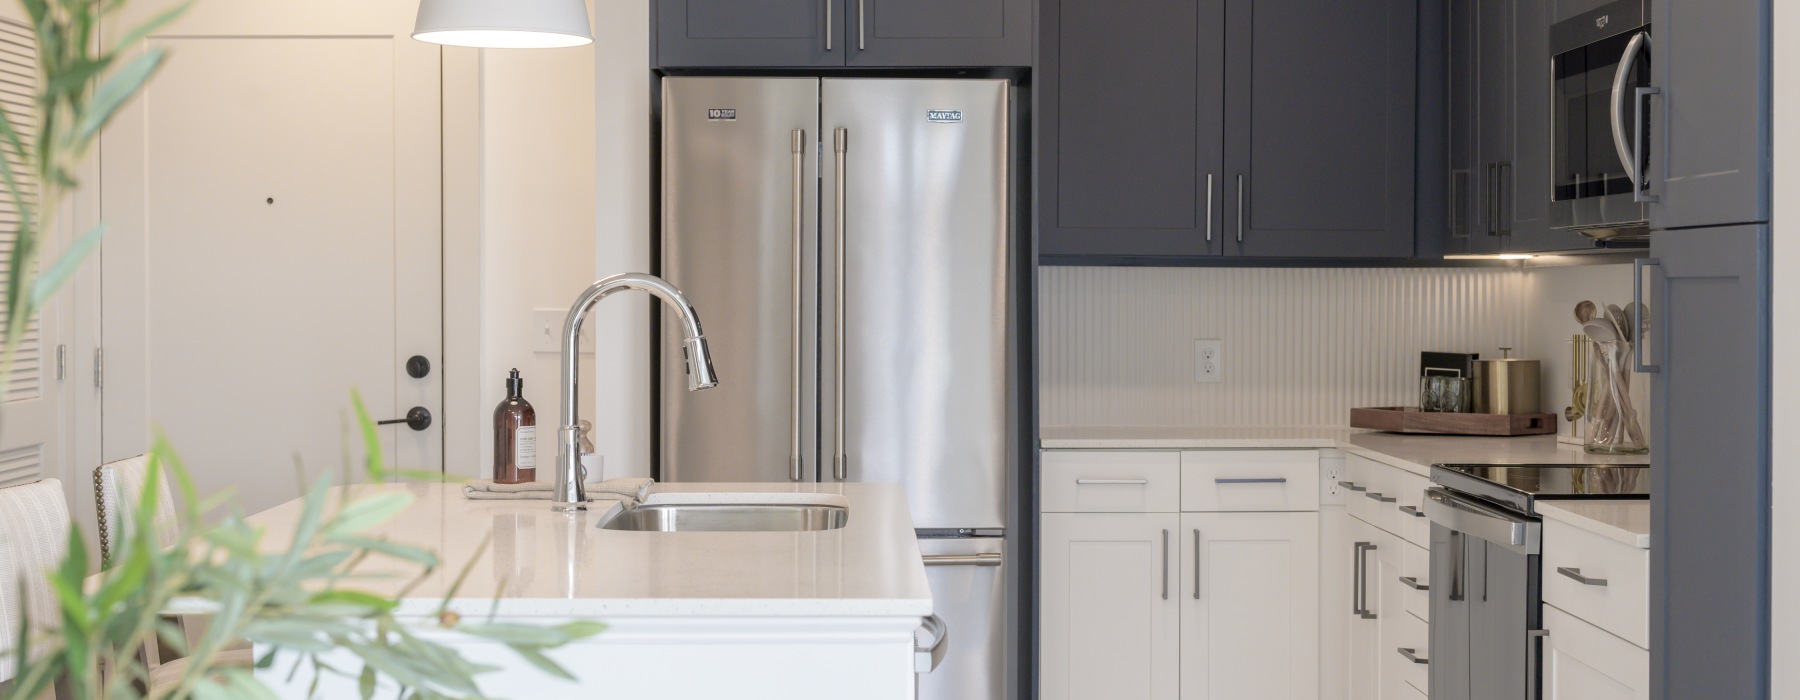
(1414, 421)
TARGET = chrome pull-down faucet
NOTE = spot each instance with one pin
(571, 492)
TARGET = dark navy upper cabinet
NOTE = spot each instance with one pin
(1130, 130)
(1320, 128)
(1164, 125)
(731, 33)
(884, 33)
(1709, 124)
(838, 33)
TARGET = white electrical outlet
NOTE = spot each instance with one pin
(547, 328)
(1209, 361)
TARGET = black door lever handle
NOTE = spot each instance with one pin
(418, 419)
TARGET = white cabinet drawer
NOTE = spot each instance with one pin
(1616, 592)
(1409, 510)
(1583, 662)
(1083, 481)
(1414, 636)
(1415, 580)
(1250, 480)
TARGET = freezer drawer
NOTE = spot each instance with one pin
(968, 593)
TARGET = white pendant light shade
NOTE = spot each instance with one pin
(504, 24)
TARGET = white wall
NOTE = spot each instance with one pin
(537, 222)
(1550, 295)
(622, 200)
(1786, 294)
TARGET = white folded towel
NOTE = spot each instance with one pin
(630, 489)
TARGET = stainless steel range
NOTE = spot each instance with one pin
(1486, 547)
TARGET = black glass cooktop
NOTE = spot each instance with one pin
(1518, 485)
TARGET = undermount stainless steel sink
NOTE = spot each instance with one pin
(729, 517)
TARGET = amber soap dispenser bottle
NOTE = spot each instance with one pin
(515, 436)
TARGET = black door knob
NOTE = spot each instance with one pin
(417, 366)
(418, 419)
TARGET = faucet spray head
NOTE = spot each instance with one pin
(700, 372)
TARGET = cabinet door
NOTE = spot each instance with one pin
(1336, 607)
(1467, 205)
(1527, 216)
(1494, 94)
(1365, 635)
(1320, 127)
(1583, 662)
(759, 33)
(1709, 563)
(1110, 612)
(938, 32)
(1249, 606)
(1710, 149)
(1129, 135)
(1396, 629)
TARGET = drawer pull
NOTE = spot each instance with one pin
(1575, 573)
(1413, 583)
(1273, 480)
(1412, 655)
(1112, 482)
(1352, 486)
(1378, 497)
(1415, 512)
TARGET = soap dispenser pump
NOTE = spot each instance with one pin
(515, 436)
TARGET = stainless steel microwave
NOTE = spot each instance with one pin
(1600, 70)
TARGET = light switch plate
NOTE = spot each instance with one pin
(547, 326)
(1209, 361)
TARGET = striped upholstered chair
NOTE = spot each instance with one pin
(34, 536)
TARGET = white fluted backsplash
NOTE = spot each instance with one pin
(1301, 346)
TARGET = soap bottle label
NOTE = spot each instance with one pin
(525, 447)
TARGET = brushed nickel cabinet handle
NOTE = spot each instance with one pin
(1351, 485)
(1575, 573)
(862, 31)
(1196, 563)
(828, 24)
(1112, 482)
(1373, 496)
(1415, 512)
(1413, 583)
(1273, 480)
(1240, 209)
(1209, 206)
(1165, 569)
(1412, 655)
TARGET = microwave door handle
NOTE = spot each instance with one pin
(1620, 142)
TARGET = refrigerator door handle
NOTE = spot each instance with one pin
(797, 145)
(840, 462)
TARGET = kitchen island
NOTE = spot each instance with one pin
(815, 614)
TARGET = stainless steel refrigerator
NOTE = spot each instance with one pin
(848, 243)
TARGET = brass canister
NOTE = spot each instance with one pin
(1506, 386)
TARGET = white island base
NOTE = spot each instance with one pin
(828, 614)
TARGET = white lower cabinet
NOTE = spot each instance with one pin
(1365, 610)
(1584, 662)
(1110, 613)
(1385, 649)
(1249, 606)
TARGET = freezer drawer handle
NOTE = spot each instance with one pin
(927, 656)
(1415, 512)
(1412, 655)
(1275, 480)
(1373, 496)
(1413, 583)
(1575, 573)
(1112, 482)
(963, 559)
(1351, 485)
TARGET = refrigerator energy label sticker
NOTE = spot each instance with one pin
(721, 115)
(943, 116)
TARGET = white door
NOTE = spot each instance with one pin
(274, 239)
(31, 434)
(1584, 662)
(1249, 606)
(1109, 611)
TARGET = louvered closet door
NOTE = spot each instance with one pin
(29, 430)
(274, 241)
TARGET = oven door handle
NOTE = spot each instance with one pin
(1494, 526)
(1639, 42)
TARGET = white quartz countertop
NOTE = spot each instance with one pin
(1626, 521)
(1413, 453)
(542, 563)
